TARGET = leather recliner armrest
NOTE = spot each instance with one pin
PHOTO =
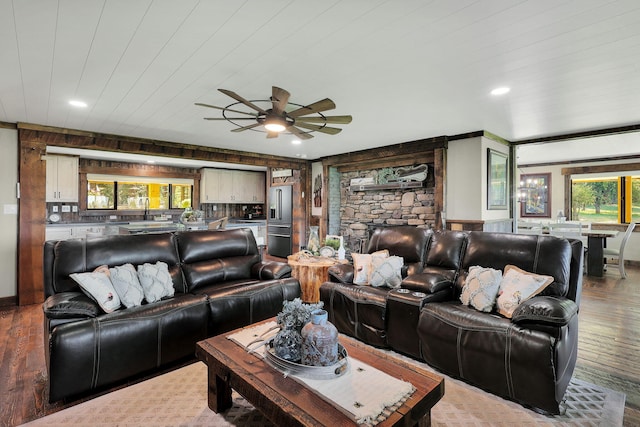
(545, 310)
(69, 305)
(429, 283)
(268, 270)
(341, 273)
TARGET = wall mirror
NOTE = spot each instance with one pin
(533, 195)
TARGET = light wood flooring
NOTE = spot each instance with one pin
(608, 350)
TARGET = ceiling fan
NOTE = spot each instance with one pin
(277, 119)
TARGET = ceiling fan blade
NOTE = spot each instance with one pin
(279, 99)
(226, 109)
(272, 134)
(241, 99)
(316, 107)
(246, 127)
(299, 133)
(338, 120)
(323, 129)
(229, 118)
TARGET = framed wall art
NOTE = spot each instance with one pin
(497, 180)
(533, 195)
(318, 192)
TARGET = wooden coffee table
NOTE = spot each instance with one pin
(287, 402)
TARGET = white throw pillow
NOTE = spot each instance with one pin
(156, 281)
(126, 283)
(386, 271)
(481, 288)
(97, 286)
(362, 265)
(518, 286)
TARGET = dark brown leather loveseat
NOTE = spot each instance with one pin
(220, 283)
(529, 358)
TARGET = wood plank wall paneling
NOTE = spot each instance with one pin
(439, 168)
(32, 213)
(95, 141)
(403, 152)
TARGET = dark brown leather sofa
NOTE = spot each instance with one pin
(529, 358)
(220, 283)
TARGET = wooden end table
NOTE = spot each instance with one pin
(287, 402)
(311, 274)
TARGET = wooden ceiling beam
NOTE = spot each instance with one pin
(95, 141)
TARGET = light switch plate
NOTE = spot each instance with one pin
(66, 208)
(10, 209)
(74, 208)
(54, 208)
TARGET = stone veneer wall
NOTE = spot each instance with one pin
(361, 211)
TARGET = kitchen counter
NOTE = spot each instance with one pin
(247, 221)
(60, 231)
(157, 227)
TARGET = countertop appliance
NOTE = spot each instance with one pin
(279, 221)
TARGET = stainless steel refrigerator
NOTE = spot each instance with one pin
(279, 221)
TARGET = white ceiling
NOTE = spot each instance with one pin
(404, 69)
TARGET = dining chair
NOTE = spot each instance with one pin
(529, 227)
(619, 253)
(571, 230)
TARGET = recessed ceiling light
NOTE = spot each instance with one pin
(79, 104)
(500, 91)
(296, 142)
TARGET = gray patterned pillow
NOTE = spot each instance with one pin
(125, 281)
(481, 288)
(386, 271)
(156, 281)
(96, 285)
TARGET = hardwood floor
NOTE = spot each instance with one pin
(608, 350)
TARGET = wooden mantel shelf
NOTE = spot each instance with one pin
(387, 186)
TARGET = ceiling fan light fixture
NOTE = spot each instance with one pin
(274, 126)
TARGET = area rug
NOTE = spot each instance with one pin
(179, 398)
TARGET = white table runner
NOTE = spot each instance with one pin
(365, 393)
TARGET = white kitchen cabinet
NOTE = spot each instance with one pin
(209, 189)
(58, 232)
(231, 186)
(226, 188)
(252, 187)
(62, 178)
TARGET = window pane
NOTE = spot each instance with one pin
(158, 196)
(132, 195)
(100, 195)
(181, 197)
(594, 200)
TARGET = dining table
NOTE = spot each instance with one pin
(596, 242)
